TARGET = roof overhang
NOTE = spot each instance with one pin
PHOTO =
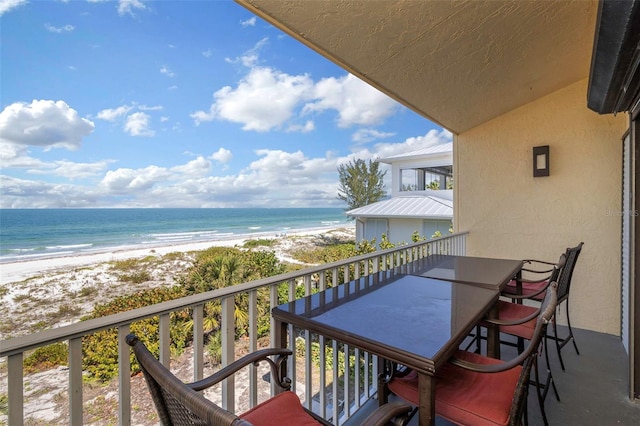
(457, 63)
(614, 82)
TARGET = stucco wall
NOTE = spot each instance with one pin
(511, 214)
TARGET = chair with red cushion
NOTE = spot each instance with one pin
(472, 389)
(180, 403)
(531, 290)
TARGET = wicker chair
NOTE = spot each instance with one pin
(530, 290)
(180, 403)
(472, 389)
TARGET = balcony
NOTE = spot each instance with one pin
(593, 387)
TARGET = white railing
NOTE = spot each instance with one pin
(334, 394)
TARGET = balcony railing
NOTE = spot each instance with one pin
(334, 392)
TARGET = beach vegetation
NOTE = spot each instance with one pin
(360, 183)
(100, 350)
(214, 348)
(46, 357)
(21, 298)
(40, 325)
(126, 264)
(87, 291)
(174, 255)
(65, 310)
(262, 242)
(325, 254)
(135, 277)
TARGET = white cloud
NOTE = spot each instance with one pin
(222, 155)
(71, 170)
(251, 57)
(381, 150)
(267, 99)
(355, 101)
(150, 108)
(368, 135)
(198, 167)
(66, 29)
(128, 6)
(249, 22)
(22, 193)
(128, 180)
(112, 114)
(207, 53)
(137, 124)
(263, 100)
(166, 71)
(43, 123)
(7, 5)
(164, 119)
(307, 127)
(274, 177)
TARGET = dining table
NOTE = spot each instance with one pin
(479, 271)
(408, 317)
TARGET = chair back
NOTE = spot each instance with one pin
(558, 268)
(564, 280)
(176, 403)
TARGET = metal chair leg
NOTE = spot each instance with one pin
(549, 374)
(575, 346)
(538, 393)
(557, 340)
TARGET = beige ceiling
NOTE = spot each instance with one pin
(458, 63)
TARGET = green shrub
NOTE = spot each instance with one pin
(126, 264)
(214, 347)
(135, 277)
(47, 357)
(100, 350)
(259, 243)
(326, 254)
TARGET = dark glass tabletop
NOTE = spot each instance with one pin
(410, 319)
(473, 270)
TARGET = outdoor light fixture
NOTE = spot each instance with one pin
(540, 161)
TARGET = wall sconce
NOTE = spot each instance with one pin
(541, 161)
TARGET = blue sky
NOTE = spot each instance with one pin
(137, 103)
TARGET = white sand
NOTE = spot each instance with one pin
(22, 270)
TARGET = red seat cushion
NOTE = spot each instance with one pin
(467, 397)
(512, 312)
(463, 396)
(282, 409)
(527, 289)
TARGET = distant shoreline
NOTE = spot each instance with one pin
(22, 269)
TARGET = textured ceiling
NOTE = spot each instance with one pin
(458, 63)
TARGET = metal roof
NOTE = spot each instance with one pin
(414, 206)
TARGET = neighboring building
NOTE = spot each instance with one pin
(412, 207)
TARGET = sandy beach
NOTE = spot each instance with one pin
(57, 291)
(25, 269)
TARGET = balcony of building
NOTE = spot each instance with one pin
(592, 389)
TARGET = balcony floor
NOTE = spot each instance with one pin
(593, 389)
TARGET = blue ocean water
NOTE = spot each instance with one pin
(34, 233)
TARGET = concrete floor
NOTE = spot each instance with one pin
(593, 389)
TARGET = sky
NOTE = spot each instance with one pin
(137, 103)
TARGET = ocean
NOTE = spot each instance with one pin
(27, 234)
